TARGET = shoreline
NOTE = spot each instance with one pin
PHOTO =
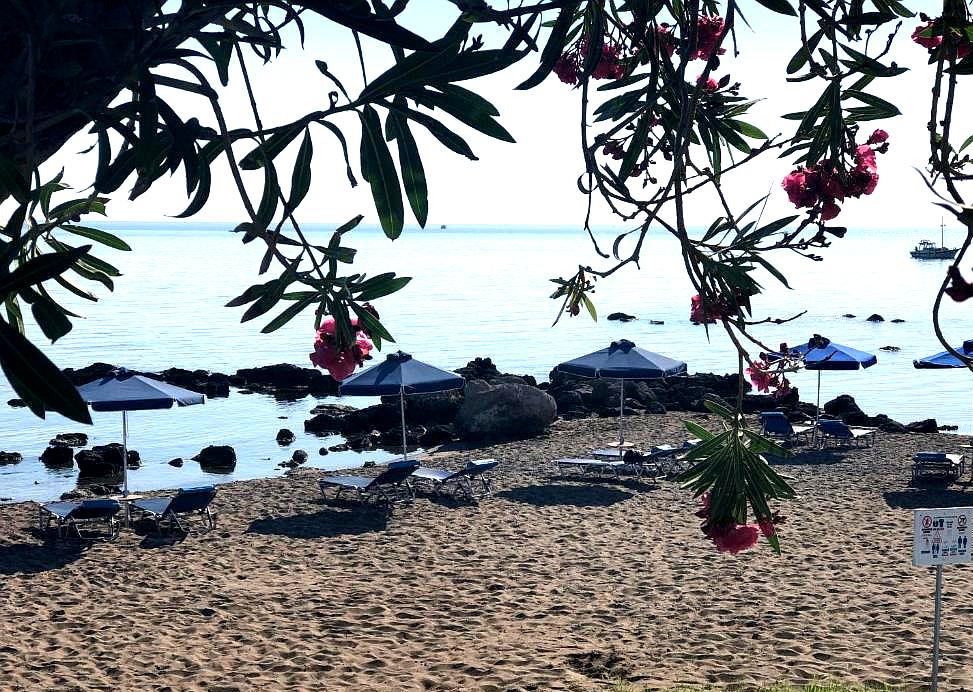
(553, 583)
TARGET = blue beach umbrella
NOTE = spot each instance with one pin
(401, 374)
(944, 360)
(125, 391)
(623, 360)
(820, 353)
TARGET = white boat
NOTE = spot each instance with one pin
(927, 249)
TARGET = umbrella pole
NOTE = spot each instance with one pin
(621, 414)
(125, 453)
(405, 456)
(817, 411)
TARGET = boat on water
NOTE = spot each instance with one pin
(927, 249)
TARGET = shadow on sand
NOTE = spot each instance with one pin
(918, 496)
(810, 457)
(327, 523)
(563, 494)
(34, 558)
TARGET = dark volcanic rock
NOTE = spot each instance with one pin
(16, 403)
(923, 426)
(284, 379)
(10, 458)
(88, 373)
(218, 458)
(430, 409)
(848, 315)
(890, 349)
(75, 439)
(437, 435)
(845, 408)
(102, 460)
(656, 322)
(58, 457)
(875, 318)
(898, 320)
(284, 437)
(504, 411)
(621, 317)
(328, 419)
(323, 451)
(177, 462)
(299, 455)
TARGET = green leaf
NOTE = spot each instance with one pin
(290, 313)
(102, 237)
(271, 147)
(301, 176)
(888, 109)
(41, 268)
(779, 6)
(270, 198)
(636, 147)
(380, 286)
(379, 170)
(589, 306)
(554, 47)
(36, 379)
(376, 330)
(50, 318)
(473, 112)
(413, 174)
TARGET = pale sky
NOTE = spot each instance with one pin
(532, 182)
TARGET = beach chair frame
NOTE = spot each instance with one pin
(776, 425)
(844, 435)
(390, 486)
(462, 479)
(185, 503)
(931, 466)
(69, 516)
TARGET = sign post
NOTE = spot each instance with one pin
(940, 537)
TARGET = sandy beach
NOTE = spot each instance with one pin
(550, 584)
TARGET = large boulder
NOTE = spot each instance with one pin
(512, 411)
(217, 458)
(328, 419)
(101, 460)
(57, 457)
(75, 439)
(284, 379)
(10, 458)
(437, 408)
(379, 417)
(844, 407)
(923, 426)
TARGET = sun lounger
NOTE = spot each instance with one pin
(641, 463)
(775, 424)
(462, 479)
(671, 458)
(391, 484)
(937, 466)
(839, 433)
(75, 515)
(589, 465)
(184, 503)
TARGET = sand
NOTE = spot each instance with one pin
(549, 584)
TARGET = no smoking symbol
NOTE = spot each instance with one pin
(927, 522)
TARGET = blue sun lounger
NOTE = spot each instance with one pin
(462, 479)
(74, 515)
(392, 483)
(186, 502)
(841, 434)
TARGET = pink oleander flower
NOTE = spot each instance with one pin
(927, 42)
(760, 377)
(734, 538)
(767, 527)
(878, 137)
(567, 69)
(609, 66)
(665, 42)
(340, 363)
(709, 85)
(709, 30)
(699, 315)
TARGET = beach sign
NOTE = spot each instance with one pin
(941, 536)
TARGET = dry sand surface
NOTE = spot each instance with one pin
(550, 584)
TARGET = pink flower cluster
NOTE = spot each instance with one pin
(734, 538)
(698, 314)
(821, 186)
(340, 363)
(769, 377)
(665, 40)
(569, 65)
(709, 85)
(959, 41)
(959, 289)
(709, 31)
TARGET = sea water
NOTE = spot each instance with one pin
(476, 291)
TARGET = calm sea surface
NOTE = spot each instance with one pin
(476, 292)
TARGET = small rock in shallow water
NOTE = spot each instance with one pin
(656, 322)
(284, 437)
(177, 462)
(620, 317)
(898, 320)
(890, 349)
(875, 318)
(848, 315)
(300, 456)
(323, 451)
(17, 403)
(10, 458)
